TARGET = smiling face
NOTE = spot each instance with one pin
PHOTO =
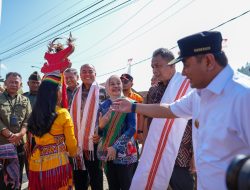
(161, 70)
(127, 84)
(88, 75)
(114, 87)
(71, 79)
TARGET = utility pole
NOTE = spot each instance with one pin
(129, 66)
(1, 79)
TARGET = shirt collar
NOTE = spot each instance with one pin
(68, 89)
(130, 92)
(161, 84)
(32, 93)
(7, 94)
(219, 82)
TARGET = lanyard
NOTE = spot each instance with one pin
(10, 102)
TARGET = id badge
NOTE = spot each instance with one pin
(13, 120)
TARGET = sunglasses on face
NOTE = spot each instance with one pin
(125, 81)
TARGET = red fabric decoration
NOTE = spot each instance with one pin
(64, 93)
(59, 61)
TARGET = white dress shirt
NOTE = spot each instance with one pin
(221, 126)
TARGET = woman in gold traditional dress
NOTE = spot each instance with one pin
(52, 128)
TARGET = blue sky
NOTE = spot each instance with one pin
(133, 31)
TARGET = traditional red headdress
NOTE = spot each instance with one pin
(58, 62)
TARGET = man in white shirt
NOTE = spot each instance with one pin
(218, 106)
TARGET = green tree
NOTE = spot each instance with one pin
(245, 70)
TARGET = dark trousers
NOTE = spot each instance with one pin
(138, 155)
(119, 176)
(95, 172)
(81, 179)
(2, 184)
(181, 179)
(93, 175)
(21, 160)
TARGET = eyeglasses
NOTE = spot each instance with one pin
(125, 81)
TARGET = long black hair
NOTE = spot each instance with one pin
(44, 111)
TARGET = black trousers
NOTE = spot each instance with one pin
(119, 176)
(181, 179)
(95, 172)
(81, 179)
(21, 160)
(93, 175)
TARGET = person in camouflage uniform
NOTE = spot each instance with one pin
(14, 112)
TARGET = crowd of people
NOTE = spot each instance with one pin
(190, 124)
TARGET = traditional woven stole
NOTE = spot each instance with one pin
(162, 144)
(84, 125)
(11, 169)
(112, 129)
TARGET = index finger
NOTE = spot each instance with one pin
(118, 100)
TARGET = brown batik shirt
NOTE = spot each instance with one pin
(185, 153)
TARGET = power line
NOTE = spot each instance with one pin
(234, 18)
(230, 20)
(124, 67)
(102, 15)
(37, 43)
(109, 48)
(50, 28)
(25, 26)
(115, 30)
(49, 19)
(32, 45)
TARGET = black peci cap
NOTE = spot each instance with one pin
(199, 43)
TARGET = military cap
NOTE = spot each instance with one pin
(199, 43)
(35, 76)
